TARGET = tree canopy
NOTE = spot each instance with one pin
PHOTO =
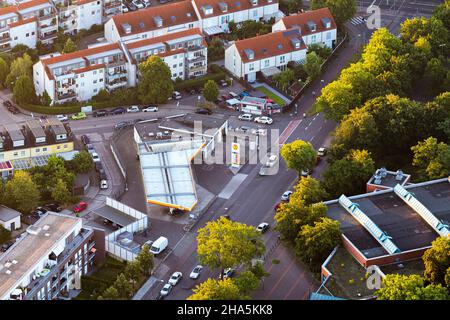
(21, 193)
(24, 91)
(432, 158)
(213, 289)
(299, 155)
(342, 10)
(211, 90)
(155, 84)
(437, 262)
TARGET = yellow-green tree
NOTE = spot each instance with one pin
(299, 155)
(213, 289)
(21, 193)
(223, 244)
(437, 262)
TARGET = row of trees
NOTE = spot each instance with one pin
(435, 283)
(226, 244)
(126, 283)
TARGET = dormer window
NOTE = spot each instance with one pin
(254, 2)
(223, 7)
(312, 26)
(326, 23)
(207, 10)
(249, 53)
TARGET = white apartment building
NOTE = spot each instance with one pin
(151, 22)
(26, 23)
(288, 42)
(49, 259)
(317, 26)
(267, 54)
(80, 75)
(214, 15)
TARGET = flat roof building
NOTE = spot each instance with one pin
(9, 218)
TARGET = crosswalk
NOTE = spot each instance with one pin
(357, 20)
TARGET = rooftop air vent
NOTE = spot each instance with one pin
(141, 25)
(46, 227)
(34, 230)
(253, 2)
(280, 46)
(399, 175)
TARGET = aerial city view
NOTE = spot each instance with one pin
(256, 150)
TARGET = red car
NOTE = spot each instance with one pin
(80, 207)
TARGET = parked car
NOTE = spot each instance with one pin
(234, 95)
(6, 246)
(7, 103)
(138, 4)
(245, 117)
(226, 97)
(264, 120)
(39, 212)
(195, 273)
(100, 113)
(226, 216)
(90, 147)
(259, 132)
(133, 109)
(150, 109)
(228, 273)
(175, 278)
(263, 227)
(223, 83)
(124, 8)
(203, 111)
(277, 206)
(104, 184)
(95, 157)
(79, 116)
(322, 152)
(121, 125)
(85, 139)
(166, 289)
(13, 110)
(159, 245)
(62, 117)
(176, 95)
(98, 166)
(53, 207)
(286, 195)
(80, 207)
(118, 110)
(271, 160)
(103, 176)
(305, 172)
(243, 94)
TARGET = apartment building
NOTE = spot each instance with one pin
(22, 145)
(214, 15)
(27, 23)
(317, 26)
(151, 22)
(82, 74)
(268, 54)
(49, 260)
(184, 52)
(289, 40)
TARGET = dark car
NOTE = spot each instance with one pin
(39, 212)
(90, 146)
(13, 109)
(100, 113)
(226, 216)
(85, 139)
(6, 246)
(121, 125)
(7, 103)
(203, 111)
(118, 110)
(175, 211)
(98, 166)
(53, 207)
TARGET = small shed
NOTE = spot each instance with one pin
(9, 218)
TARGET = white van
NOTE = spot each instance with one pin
(159, 245)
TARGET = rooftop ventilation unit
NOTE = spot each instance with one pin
(141, 25)
(399, 175)
(382, 172)
(377, 179)
(47, 234)
(46, 227)
(207, 9)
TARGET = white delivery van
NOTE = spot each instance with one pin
(159, 245)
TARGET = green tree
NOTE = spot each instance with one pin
(312, 65)
(21, 193)
(299, 155)
(223, 244)
(5, 235)
(216, 50)
(4, 71)
(309, 191)
(442, 12)
(314, 243)
(349, 174)
(437, 261)
(290, 217)
(342, 10)
(409, 287)
(247, 282)
(435, 73)
(24, 91)
(211, 90)
(432, 158)
(21, 66)
(109, 294)
(321, 50)
(123, 287)
(133, 272)
(213, 289)
(82, 162)
(45, 99)
(284, 78)
(60, 192)
(101, 96)
(145, 259)
(69, 46)
(155, 85)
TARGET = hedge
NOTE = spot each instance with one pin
(199, 82)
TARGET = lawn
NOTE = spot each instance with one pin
(271, 95)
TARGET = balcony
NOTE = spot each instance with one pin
(115, 63)
(48, 36)
(48, 16)
(196, 59)
(48, 28)
(197, 68)
(117, 83)
(5, 39)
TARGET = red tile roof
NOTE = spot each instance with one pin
(32, 3)
(315, 16)
(9, 9)
(269, 45)
(182, 11)
(22, 22)
(167, 37)
(80, 54)
(231, 6)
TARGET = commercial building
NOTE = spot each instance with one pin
(270, 53)
(166, 148)
(81, 75)
(32, 143)
(393, 225)
(49, 259)
(9, 218)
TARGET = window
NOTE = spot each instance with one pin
(95, 72)
(328, 36)
(174, 75)
(95, 81)
(251, 67)
(266, 63)
(174, 65)
(282, 59)
(58, 147)
(32, 33)
(82, 75)
(180, 74)
(15, 38)
(313, 39)
(92, 12)
(255, 13)
(65, 146)
(22, 153)
(44, 149)
(28, 34)
(38, 149)
(95, 90)
(16, 154)
(181, 64)
(100, 80)
(191, 25)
